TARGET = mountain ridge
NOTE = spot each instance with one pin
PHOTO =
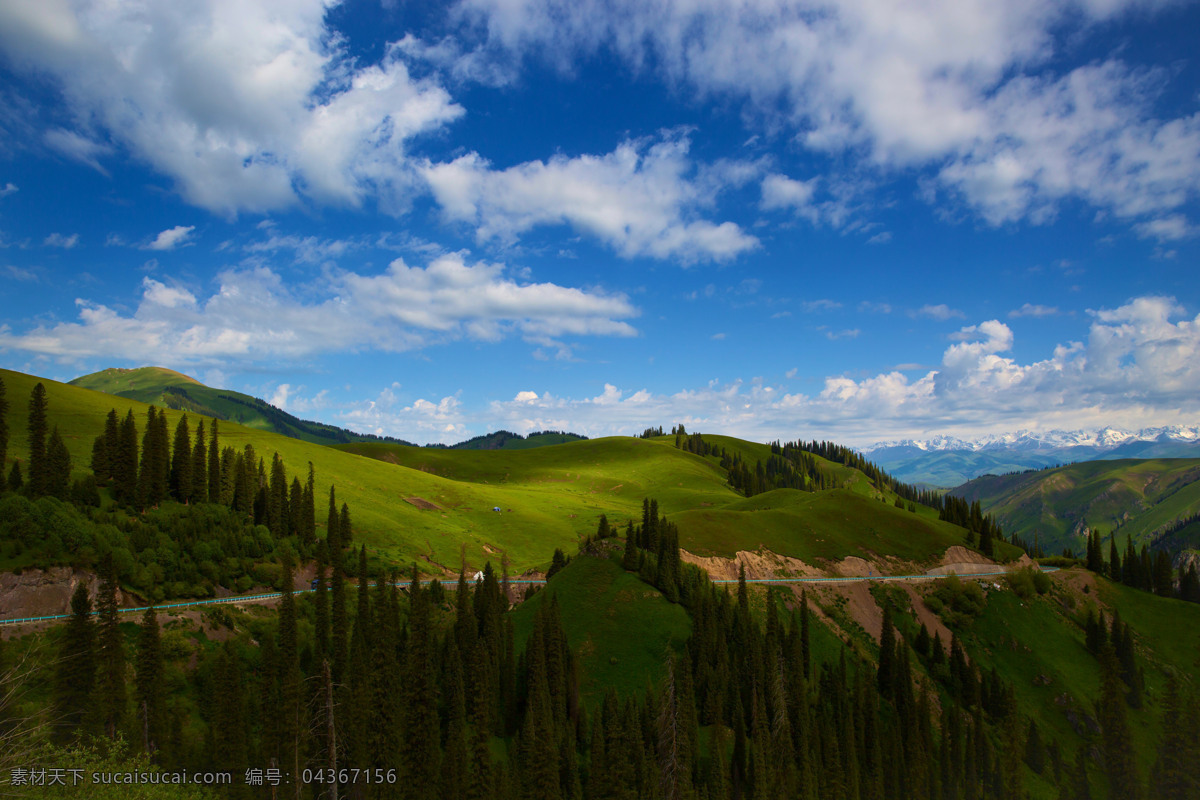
(948, 461)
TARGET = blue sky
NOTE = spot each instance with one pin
(854, 220)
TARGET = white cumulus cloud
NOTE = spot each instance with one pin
(253, 317)
(642, 199)
(246, 106)
(964, 87)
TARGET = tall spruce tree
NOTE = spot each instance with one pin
(295, 522)
(321, 603)
(181, 463)
(111, 697)
(216, 493)
(36, 479)
(886, 677)
(125, 462)
(149, 682)
(630, 559)
(291, 721)
(309, 531)
(277, 498)
(199, 491)
(420, 753)
(58, 467)
(1116, 745)
(231, 748)
(1176, 773)
(75, 674)
(3, 425)
(345, 531)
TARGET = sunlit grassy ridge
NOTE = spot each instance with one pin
(171, 389)
(1138, 496)
(420, 503)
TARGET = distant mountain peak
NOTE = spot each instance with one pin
(1106, 438)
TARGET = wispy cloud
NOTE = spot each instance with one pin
(78, 148)
(822, 304)
(171, 238)
(940, 312)
(1032, 310)
(61, 240)
(9, 188)
(20, 273)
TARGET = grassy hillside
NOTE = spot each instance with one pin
(601, 604)
(411, 502)
(166, 388)
(1135, 498)
(507, 440)
(817, 525)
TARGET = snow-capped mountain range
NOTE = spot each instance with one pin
(1103, 439)
(948, 461)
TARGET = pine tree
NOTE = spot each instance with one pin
(3, 425)
(155, 469)
(216, 493)
(345, 531)
(291, 724)
(630, 560)
(15, 480)
(76, 668)
(125, 463)
(149, 682)
(309, 507)
(1176, 773)
(111, 662)
(338, 626)
(1163, 574)
(1035, 753)
(420, 754)
(231, 748)
(199, 490)
(295, 523)
(1116, 745)
(181, 463)
(885, 676)
(101, 463)
(36, 479)
(321, 603)
(58, 467)
(1076, 785)
(277, 511)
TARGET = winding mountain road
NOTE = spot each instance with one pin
(267, 596)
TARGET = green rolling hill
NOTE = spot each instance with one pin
(424, 503)
(1135, 498)
(170, 389)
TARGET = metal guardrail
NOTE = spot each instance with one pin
(211, 601)
(273, 595)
